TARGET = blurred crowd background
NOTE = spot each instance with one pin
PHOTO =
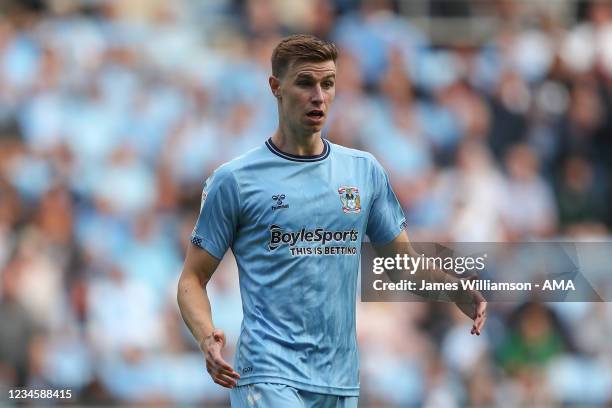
(492, 118)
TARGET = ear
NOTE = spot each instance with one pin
(275, 86)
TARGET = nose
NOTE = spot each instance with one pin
(317, 95)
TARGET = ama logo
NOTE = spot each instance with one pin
(279, 202)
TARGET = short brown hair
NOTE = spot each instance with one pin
(302, 48)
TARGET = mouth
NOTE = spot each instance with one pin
(315, 114)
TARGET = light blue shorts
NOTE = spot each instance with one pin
(266, 395)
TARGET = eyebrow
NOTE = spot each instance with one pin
(310, 76)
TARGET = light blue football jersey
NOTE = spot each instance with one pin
(295, 225)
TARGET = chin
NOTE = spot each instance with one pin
(315, 128)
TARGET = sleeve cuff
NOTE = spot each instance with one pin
(207, 246)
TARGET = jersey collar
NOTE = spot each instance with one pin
(296, 158)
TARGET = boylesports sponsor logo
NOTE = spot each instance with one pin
(322, 236)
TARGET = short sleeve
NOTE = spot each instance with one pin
(219, 213)
(386, 219)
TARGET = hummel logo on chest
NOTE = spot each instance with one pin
(279, 202)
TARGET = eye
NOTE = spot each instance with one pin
(328, 84)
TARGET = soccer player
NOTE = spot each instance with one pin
(294, 211)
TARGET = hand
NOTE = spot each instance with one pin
(476, 309)
(480, 316)
(220, 371)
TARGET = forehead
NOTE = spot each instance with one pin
(315, 69)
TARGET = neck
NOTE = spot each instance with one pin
(306, 144)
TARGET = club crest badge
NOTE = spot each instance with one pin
(351, 203)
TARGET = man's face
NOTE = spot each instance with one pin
(305, 93)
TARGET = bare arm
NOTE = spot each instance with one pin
(195, 309)
(471, 303)
(192, 297)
